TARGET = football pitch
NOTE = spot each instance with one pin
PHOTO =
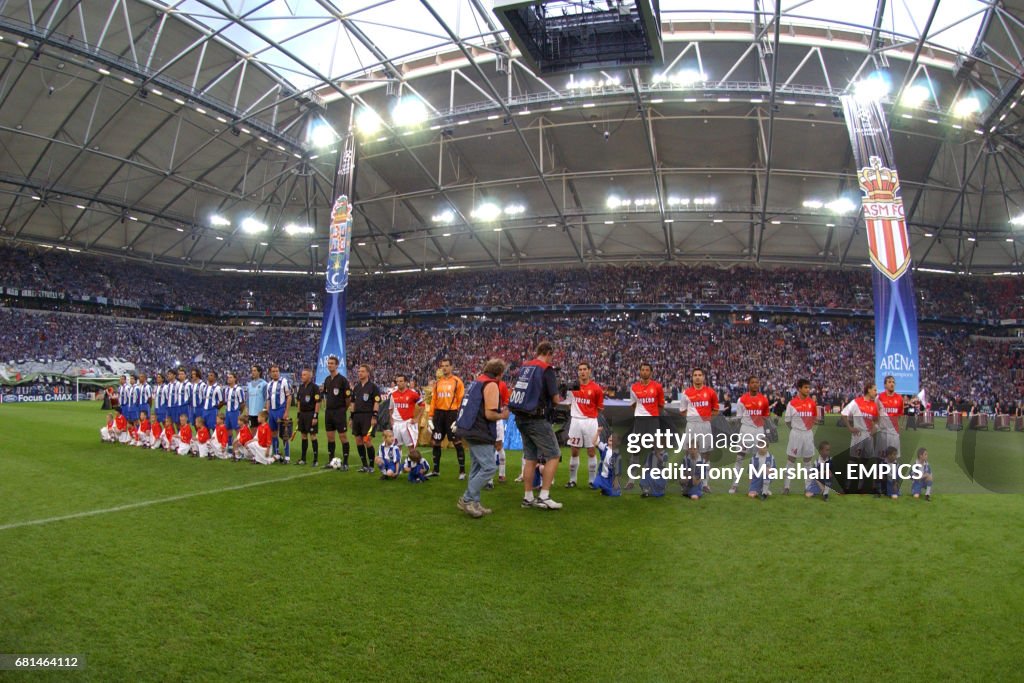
(152, 566)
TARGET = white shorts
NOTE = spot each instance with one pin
(407, 432)
(699, 435)
(184, 448)
(499, 427)
(801, 444)
(583, 432)
(123, 437)
(203, 449)
(106, 434)
(884, 440)
(750, 435)
(156, 442)
(259, 453)
(218, 451)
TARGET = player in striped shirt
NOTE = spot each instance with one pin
(821, 485)
(801, 416)
(144, 397)
(762, 465)
(406, 407)
(159, 398)
(923, 483)
(197, 393)
(389, 456)
(648, 399)
(416, 467)
(122, 395)
(607, 478)
(753, 411)
(279, 395)
(234, 399)
(213, 399)
(585, 403)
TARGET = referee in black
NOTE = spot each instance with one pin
(336, 393)
(308, 398)
(365, 402)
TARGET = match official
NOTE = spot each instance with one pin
(308, 397)
(336, 393)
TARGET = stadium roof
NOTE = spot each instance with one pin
(204, 133)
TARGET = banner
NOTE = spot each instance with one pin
(41, 398)
(332, 339)
(93, 371)
(896, 351)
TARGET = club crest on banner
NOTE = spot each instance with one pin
(884, 219)
(337, 252)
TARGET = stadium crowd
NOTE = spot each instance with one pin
(836, 355)
(81, 275)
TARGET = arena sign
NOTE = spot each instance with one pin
(98, 370)
(896, 348)
(40, 398)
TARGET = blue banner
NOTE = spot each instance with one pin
(332, 339)
(896, 350)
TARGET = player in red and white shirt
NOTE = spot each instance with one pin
(157, 435)
(145, 435)
(585, 404)
(406, 406)
(109, 432)
(700, 406)
(260, 446)
(862, 421)
(184, 438)
(890, 410)
(648, 399)
(121, 428)
(699, 403)
(133, 434)
(241, 445)
(202, 442)
(801, 416)
(169, 441)
(219, 442)
(753, 411)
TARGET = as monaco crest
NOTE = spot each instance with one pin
(884, 219)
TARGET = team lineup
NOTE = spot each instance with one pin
(192, 416)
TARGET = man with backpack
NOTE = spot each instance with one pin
(533, 395)
(477, 424)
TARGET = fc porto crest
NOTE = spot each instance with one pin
(338, 246)
(884, 219)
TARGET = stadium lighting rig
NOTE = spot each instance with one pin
(368, 121)
(966, 106)
(219, 221)
(294, 229)
(253, 227)
(916, 95)
(409, 111)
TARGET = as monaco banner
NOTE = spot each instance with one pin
(332, 339)
(896, 351)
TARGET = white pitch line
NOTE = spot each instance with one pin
(147, 503)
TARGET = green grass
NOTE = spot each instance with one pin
(339, 576)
